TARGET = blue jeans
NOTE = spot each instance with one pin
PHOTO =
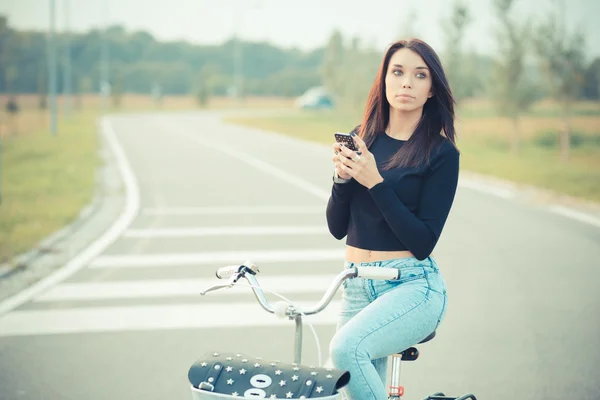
(380, 318)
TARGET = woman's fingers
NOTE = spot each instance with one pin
(359, 142)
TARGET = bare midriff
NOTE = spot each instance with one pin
(354, 254)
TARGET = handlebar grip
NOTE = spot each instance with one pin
(228, 271)
(377, 273)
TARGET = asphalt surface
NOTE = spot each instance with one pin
(524, 308)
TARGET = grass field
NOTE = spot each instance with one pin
(484, 139)
(46, 180)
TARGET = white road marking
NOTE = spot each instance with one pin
(152, 318)
(226, 230)
(576, 215)
(495, 190)
(170, 211)
(289, 178)
(216, 259)
(132, 202)
(153, 288)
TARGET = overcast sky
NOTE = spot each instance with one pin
(306, 24)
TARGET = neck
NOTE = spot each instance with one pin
(402, 124)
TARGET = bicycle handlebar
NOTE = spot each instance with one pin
(230, 270)
(248, 270)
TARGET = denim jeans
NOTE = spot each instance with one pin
(381, 317)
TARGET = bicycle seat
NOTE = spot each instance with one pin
(428, 338)
(411, 354)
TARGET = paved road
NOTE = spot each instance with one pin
(523, 318)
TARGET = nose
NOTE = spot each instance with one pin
(407, 82)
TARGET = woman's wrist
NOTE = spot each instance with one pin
(375, 182)
(338, 179)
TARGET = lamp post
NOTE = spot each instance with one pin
(52, 67)
(238, 54)
(67, 87)
(104, 63)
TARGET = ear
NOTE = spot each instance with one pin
(430, 95)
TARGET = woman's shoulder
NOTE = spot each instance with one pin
(444, 148)
(444, 153)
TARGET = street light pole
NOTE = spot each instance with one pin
(67, 87)
(238, 55)
(104, 85)
(52, 67)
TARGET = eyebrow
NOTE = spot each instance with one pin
(400, 66)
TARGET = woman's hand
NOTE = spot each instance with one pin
(359, 165)
(337, 161)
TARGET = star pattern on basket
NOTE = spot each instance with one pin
(279, 372)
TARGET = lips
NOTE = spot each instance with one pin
(405, 96)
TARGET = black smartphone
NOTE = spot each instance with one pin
(346, 139)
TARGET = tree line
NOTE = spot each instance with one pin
(138, 63)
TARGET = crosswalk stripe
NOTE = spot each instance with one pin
(232, 210)
(155, 317)
(225, 231)
(85, 291)
(217, 259)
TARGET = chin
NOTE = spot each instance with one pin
(405, 107)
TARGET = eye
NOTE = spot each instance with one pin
(397, 72)
(421, 75)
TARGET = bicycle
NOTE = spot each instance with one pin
(205, 379)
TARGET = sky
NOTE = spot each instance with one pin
(305, 24)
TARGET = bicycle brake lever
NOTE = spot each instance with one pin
(216, 287)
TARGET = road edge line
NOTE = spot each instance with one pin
(81, 259)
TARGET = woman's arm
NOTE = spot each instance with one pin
(338, 208)
(420, 231)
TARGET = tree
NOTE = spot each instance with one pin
(408, 29)
(117, 89)
(454, 30)
(5, 49)
(359, 78)
(42, 87)
(512, 93)
(207, 78)
(84, 86)
(591, 90)
(333, 62)
(562, 60)
(12, 109)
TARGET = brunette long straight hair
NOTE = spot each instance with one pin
(438, 111)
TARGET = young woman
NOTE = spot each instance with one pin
(391, 199)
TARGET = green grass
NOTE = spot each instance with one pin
(485, 146)
(535, 165)
(46, 181)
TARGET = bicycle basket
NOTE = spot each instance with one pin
(228, 375)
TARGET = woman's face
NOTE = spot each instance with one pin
(407, 81)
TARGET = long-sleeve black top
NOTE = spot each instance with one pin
(407, 211)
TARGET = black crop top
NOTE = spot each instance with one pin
(406, 211)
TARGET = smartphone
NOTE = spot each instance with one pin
(346, 139)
